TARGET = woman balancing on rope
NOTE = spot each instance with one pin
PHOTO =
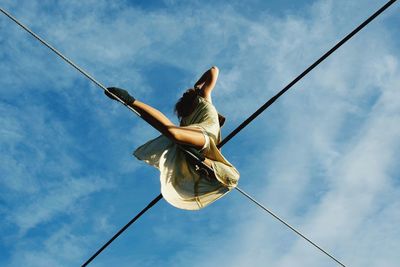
(183, 184)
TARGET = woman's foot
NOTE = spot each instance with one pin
(121, 94)
(208, 173)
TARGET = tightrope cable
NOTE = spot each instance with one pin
(304, 73)
(67, 59)
(225, 140)
(151, 204)
(288, 225)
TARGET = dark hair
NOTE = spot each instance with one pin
(184, 106)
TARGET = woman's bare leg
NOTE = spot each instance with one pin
(182, 135)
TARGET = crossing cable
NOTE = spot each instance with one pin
(237, 130)
(304, 73)
(288, 225)
(67, 60)
(151, 204)
(256, 114)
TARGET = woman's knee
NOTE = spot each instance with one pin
(187, 136)
(175, 134)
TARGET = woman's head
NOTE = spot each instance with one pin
(185, 104)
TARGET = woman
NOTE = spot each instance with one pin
(182, 184)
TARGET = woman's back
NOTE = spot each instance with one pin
(205, 116)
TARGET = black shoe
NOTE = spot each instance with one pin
(121, 94)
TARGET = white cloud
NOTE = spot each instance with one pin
(60, 198)
(63, 247)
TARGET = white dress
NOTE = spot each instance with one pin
(181, 185)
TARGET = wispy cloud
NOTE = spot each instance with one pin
(64, 198)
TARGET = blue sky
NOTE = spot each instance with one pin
(325, 156)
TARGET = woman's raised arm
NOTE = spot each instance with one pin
(207, 82)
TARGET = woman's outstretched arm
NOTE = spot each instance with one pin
(207, 82)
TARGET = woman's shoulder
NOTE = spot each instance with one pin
(205, 104)
(205, 99)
